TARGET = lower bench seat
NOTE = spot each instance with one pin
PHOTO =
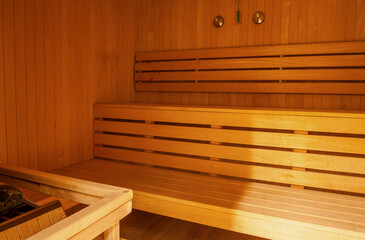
(276, 174)
(248, 207)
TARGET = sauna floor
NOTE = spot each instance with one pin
(143, 225)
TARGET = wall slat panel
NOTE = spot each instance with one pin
(65, 73)
(3, 143)
(58, 129)
(81, 75)
(10, 87)
(20, 79)
(287, 21)
(351, 15)
(360, 19)
(30, 55)
(50, 82)
(57, 58)
(41, 84)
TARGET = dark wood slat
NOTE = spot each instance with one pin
(325, 88)
(318, 48)
(256, 75)
(242, 63)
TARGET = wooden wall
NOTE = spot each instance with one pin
(187, 24)
(58, 57)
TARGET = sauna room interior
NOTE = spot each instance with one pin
(182, 119)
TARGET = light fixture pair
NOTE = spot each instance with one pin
(258, 18)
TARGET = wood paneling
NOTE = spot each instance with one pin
(57, 58)
(303, 214)
(3, 147)
(177, 26)
(324, 68)
(272, 142)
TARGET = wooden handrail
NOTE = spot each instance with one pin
(108, 204)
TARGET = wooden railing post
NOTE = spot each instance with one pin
(112, 233)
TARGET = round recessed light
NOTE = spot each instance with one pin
(218, 21)
(258, 17)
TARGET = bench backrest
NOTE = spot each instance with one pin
(323, 150)
(305, 68)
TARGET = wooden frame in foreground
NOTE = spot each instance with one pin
(107, 204)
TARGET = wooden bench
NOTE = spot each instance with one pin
(259, 172)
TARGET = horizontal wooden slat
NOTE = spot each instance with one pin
(271, 119)
(165, 66)
(113, 174)
(332, 64)
(275, 62)
(304, 178)
(252, 196)
(207, 191)
(175, 152)
(244, 222)
(271, 139)
(178, 199)
(47, 179)
(256, 75)
(226, 185)
(268, 62)
(284, 158)
(234, 109)
(325, 88)
(324, 61)
(300, 49)
(210, 75)
(256, 198)
(164, 188)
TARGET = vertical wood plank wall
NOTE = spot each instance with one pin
(57, 58)
(187, 24)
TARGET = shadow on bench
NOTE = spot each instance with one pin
(249, 171)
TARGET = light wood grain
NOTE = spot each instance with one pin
(284, 140)
(3, 147)
(309, 88)
(12, 233)
(237, 117)
(224, 185)
(215, 70)
(327, 181)
(53, 56)
(140, 223)
(112, 233)
(184, 196)
(24, 230)
(272, 62)
(41, 220)
(297, 22)
(160, 148)
(255, 75)
(108, 206)
(255, 51)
